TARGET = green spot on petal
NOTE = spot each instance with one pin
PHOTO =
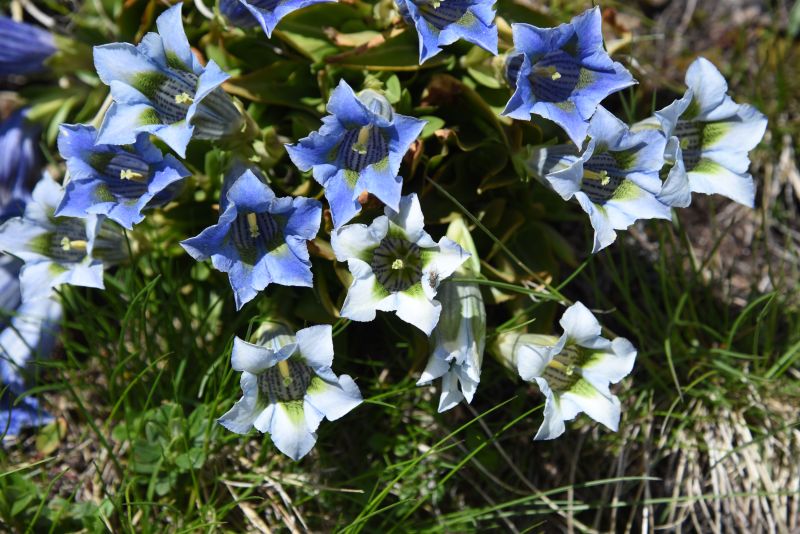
(351, 177)
(41, 244)
(626, 190)
(148, 83)
(294, 409)
(381, 165)
(103, 194)
(317, 385)
(149, 117)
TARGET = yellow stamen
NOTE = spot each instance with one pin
(183, 98)
(549, 72)
(128, 174)
(601, 176)
(77, 244)
(568, 370)
(286, 373)
(398, 264)
(360, 145)
(252, 222)
(436, 3)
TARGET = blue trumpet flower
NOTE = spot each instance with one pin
(25, 47)
(267, 13)
(260, 239)
(289, 387)
(709, 139)
(58, 250)
(615, 178)
(359, 148)
(159, 87)
(443, 22)
(20, 163)
(115, 181)
(562, 73)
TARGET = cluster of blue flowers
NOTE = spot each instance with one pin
(618, 173)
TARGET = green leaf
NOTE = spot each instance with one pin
(398, 53)
(302, 29)
(434, 123)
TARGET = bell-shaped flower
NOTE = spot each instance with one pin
(359, 148)
(112, 180)
(562, 73)
(710, 137)
(28, 333)
(443, 22)
(260, 239)
(573, 371)
(289, 387)
(615, 178)
(25, 47)
(396, 266)
(20, 162)
(59, 250)
(458, 341)
(159, 87)
(267, 13)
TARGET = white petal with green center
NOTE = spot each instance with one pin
(610, 366)
(710, 177)
(292, 432)
(414, 307)
(332, 399)
(364, 294)
(359, 240)
(602, 407)
(410, 219)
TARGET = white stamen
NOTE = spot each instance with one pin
(398, 264)
(360, 145)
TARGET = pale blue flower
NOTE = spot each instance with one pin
(615, 178)
(116, 181)
(573, 371)
(458, 341)
(159, 87)
(289, 387)
(443, 22)
(709, 140)
(25, 47)
(359, 148)
(562, 73)
(58, 250)
(260, 239)
(396, 266)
